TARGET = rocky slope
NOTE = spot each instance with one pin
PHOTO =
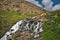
(21, 6)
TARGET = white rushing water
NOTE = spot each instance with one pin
(17, 27)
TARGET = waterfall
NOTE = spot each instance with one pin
(25, 26)
(14, 27)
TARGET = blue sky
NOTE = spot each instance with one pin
(54, 1)
(49, 5)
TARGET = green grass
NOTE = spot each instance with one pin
(51, 27)
(7, 19)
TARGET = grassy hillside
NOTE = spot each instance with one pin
(52, 26)
(7, 19)
(57, 11)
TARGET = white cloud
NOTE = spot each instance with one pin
(48, 4)
(56, 7)
(34, 2)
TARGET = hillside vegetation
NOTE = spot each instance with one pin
(52, 26)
